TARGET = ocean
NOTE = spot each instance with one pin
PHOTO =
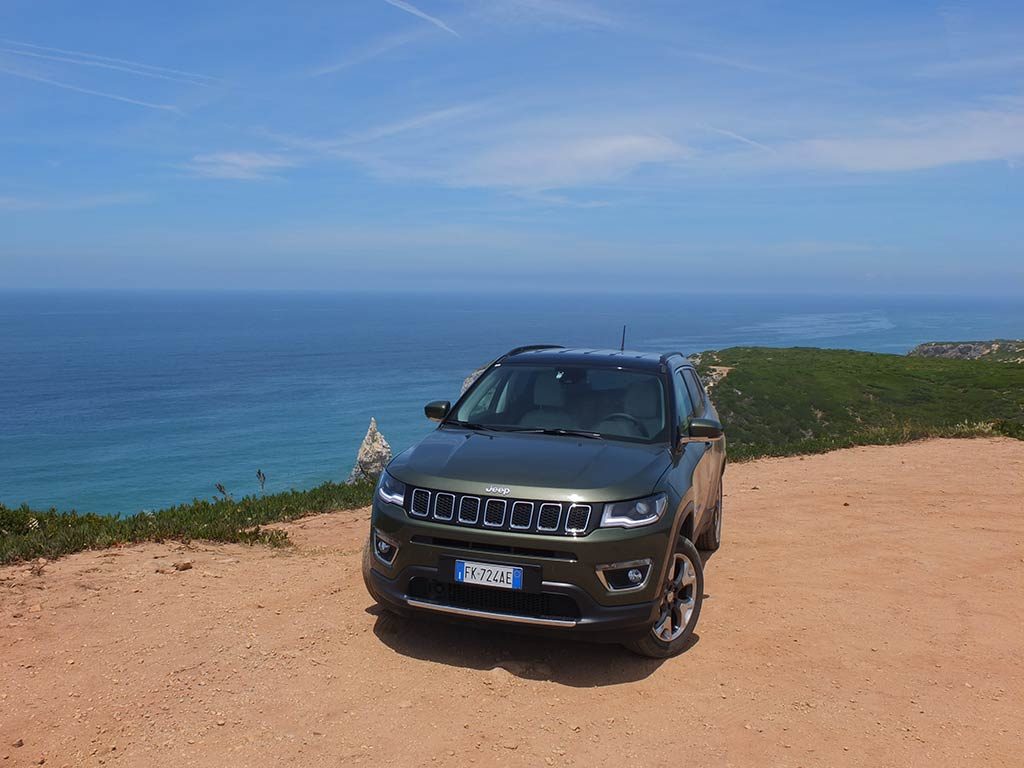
(120, 402)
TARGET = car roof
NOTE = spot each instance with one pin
(612, 358)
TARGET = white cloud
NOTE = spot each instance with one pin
(560, 162)
(974, 66)
(241, 166)
(909, 145)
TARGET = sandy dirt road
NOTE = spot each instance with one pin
(867, 608)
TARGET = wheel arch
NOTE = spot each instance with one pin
(686, 521)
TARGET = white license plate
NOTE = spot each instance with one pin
(504, 576)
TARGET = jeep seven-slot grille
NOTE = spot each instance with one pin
(552, 518)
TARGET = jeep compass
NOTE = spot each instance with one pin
(568, 489)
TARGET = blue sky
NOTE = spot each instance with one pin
(744, 146)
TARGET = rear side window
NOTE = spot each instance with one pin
(684, 403)
(694, 387)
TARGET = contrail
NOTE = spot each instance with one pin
(740, 138)
(90, 92)
(126, 62)
(410, 8)
(104, 65)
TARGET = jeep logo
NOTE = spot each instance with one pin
(500, 490)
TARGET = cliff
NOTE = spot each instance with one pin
(999, 350)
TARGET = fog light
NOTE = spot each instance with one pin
(629, 576)
(384, 548)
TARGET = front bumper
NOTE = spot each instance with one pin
(563, 592)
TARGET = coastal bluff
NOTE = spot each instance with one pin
(999, 350)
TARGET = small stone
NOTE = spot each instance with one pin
(35, 608)
(222, 722)
(18, 743)
(184, 565)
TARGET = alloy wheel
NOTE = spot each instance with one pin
(678, 599)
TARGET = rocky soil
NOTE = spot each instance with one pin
(1003, 350)
(865, 609)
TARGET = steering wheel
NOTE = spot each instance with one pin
(641, 428)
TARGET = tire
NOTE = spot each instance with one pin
(711, 537)
(682, 594)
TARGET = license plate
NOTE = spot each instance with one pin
(503, 576)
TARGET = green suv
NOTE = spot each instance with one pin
(568, 489)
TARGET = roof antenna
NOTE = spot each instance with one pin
(622, 346)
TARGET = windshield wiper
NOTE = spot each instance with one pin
(525, 430)
(574, 433)
(568, 432)
(470, 425)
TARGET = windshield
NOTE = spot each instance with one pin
(606, 402)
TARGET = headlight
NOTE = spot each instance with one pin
(633, 514)
(391, 490)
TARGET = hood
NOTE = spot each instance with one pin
(532, 466)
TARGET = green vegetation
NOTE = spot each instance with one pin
(27, 534)
(780, 402)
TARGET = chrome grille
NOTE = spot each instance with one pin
(494, 513)
(551, 518)
(444, 506)
(522, 515)
(420, 505)
(469, 510)
(550, 514)
(578, 518)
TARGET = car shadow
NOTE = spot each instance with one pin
(567, 661)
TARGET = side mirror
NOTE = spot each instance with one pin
(437, 410)
(700, 431)
(705, 429)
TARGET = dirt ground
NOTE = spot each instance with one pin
(867, 608)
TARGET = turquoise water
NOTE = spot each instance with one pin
(122, 402)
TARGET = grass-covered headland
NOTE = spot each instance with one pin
(782, 402)
(773, 402)
(28, 534)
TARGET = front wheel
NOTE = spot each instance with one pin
(681, 596)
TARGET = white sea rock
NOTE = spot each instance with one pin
(374, 455)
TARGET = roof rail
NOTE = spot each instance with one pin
(665, 357)
(531, 348)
